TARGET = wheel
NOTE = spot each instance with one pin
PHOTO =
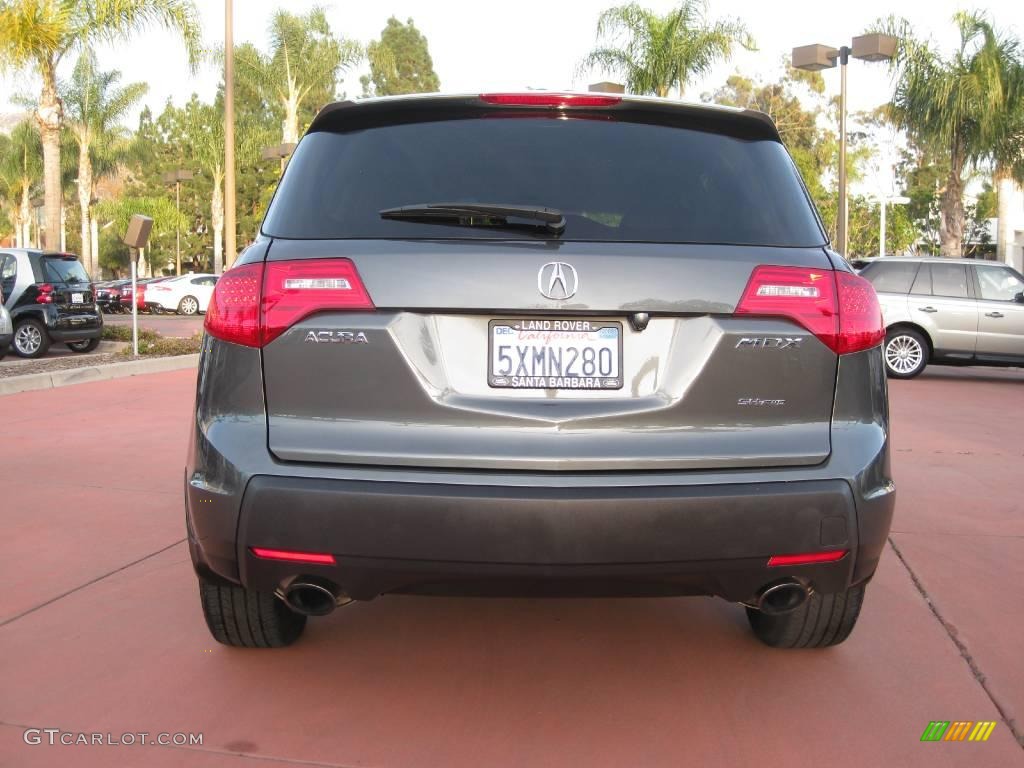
(822, 620)
(30, 339)
(87, 345)
(189, 305)
(906, 353)
(246, 619)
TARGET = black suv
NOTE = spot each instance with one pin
(50, 300)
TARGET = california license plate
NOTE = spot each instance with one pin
(77, 298)
(545, 353)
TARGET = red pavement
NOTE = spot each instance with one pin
(100, 628)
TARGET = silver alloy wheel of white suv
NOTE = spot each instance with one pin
(904, 354)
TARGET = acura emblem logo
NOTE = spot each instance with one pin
(558, 280)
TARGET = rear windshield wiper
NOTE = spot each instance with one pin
(478, 214)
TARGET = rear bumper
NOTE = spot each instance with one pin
(479, 532)
(436, 537)
(74, 326)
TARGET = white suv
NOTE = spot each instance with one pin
(948, 312)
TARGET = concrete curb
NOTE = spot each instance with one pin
(35, 381)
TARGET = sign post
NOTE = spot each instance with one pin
(136, 238)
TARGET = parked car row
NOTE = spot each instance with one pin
(186, 294)
(50, 300)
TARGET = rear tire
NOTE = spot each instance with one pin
(88, 345)
(30, 339)
(905, 352)
(823, 620)
(245, 619)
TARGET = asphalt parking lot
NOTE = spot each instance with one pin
(100, 627)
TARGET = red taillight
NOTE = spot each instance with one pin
(807, 558)
(860, 315)
(840, 308)
(293, 290)
(45, 294)
(287, 291)
(234, 311)
(540, 99)
(293, 557)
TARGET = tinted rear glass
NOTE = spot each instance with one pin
(891, 278)
(616, 181)
(64, 270)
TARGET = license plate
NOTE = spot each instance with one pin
(77, 298)
(545, 353)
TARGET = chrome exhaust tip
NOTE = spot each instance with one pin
(312, 596)
(782, 597)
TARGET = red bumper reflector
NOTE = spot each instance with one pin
(293, 557)
(807, 558)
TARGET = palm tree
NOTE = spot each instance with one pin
(36, 35)
(204, 131)
(958, 103)
(94, 105)
(20, 173)
(305, 57)
(1008, 155)
(655, 53)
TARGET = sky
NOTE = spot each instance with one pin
(479, 46)
(482, 46)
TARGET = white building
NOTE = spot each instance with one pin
(1010, 238)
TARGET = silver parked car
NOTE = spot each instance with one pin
(520, 343)
(948, 312)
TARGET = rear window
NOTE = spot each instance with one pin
(891, 278)
(613, 180)
(58, 270)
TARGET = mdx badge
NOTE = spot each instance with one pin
(336, 337)
(769, 342)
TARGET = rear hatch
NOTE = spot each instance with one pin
(71, 290)
(640, 336)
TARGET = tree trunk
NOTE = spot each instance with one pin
(217, 219)
(951, 208)
(290, 125)
(663, 91)
(26, 219)
(94, 242)
(63, 229)
(49, 117)
(84, 198)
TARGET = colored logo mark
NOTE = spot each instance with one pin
(958, 730)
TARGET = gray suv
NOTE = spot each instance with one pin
(948, 312)
(539, 344)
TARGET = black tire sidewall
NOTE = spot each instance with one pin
(90, 345)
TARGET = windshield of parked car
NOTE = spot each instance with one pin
(613, 181)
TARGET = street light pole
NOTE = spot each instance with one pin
(843, 218)
(177, 176)
(813, 58)
(230, 247)
(883, 202)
